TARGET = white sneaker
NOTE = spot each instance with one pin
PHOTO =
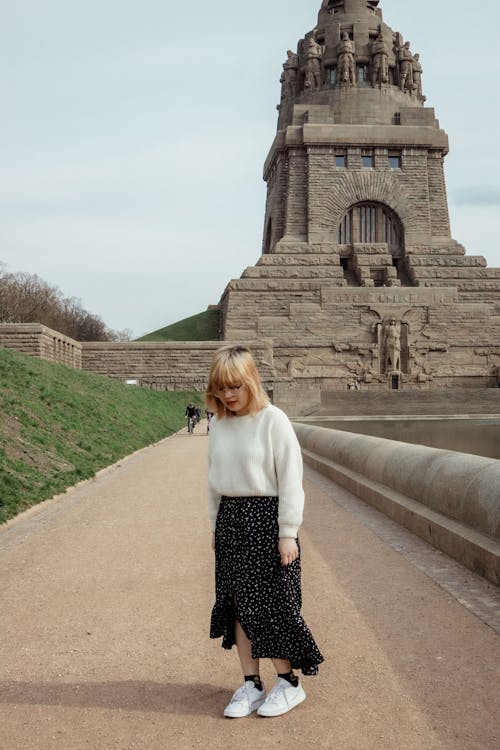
(245, 701)
(282, 698)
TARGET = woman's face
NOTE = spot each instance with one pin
(236, 398)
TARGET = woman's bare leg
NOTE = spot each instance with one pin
(249, 665)
(282, 666)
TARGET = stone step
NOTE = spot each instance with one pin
(455, 273)
(447, 261)
(453, 248)
(293, 272)
(332, 259)
(416, 402)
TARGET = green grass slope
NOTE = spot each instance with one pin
(58, 426)
(201, 327)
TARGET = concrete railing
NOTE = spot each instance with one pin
(450, 499)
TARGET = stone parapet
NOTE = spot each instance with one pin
(450, 499)
(166, 365)
(439, 402)
(40, 341)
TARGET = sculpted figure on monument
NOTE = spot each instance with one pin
(313, 65)
(283, 93)
(289, 78)
(417, 75)
(405, 59)
(380, 60)
(345, 64)
(392, 347)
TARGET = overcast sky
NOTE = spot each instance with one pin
(134, 134)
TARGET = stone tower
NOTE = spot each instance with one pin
(360, 279)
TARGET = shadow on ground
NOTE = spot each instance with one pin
(171, 697)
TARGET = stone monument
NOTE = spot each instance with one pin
(359, 275)
(360, 280)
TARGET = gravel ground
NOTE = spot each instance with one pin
(105, 602)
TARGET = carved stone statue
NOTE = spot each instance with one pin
(313, 65)
(283, 92)
(405, 59)
(392, 347)
(289, 78)
(380, 61)
(346, 67)
(417, 75)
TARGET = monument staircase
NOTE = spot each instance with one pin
(360, 276)
(444, 402)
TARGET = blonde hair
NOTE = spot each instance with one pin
(234, 365)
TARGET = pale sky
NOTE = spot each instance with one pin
(134, 134)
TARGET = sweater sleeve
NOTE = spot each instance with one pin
(213, 507)
(288, 467)
(213, 496)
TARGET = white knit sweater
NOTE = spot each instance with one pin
(257, 456)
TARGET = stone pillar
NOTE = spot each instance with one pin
(276, 179)
(440, 218)
(296, 206)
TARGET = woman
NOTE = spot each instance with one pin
(255, 509)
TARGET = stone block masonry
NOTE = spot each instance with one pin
(360, 283)
(163, 366)
(40, 341)
(450, 499)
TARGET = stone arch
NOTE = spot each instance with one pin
(372, 222)
(363, 187)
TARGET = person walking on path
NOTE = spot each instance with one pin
(191, 417)
(255, 508)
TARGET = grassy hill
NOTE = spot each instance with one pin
(201, 327)
(58, 426)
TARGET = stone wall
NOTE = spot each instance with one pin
(40, 341)
(165, 365)
(449, 499)
(157, 365)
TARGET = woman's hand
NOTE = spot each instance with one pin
(289, 551)
(213, 542)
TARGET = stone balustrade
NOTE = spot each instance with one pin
(39, 341)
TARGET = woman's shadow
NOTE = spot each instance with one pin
(168, 697)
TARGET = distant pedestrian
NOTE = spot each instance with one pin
(191, 417)
(255, 509)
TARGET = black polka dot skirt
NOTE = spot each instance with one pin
(255, 589)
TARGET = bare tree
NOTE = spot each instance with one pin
(26, 298)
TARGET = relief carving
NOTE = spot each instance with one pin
(419, 369)
(392, 346)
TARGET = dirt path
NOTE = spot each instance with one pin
(105, 602)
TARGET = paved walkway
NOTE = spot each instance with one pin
(105, 598)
